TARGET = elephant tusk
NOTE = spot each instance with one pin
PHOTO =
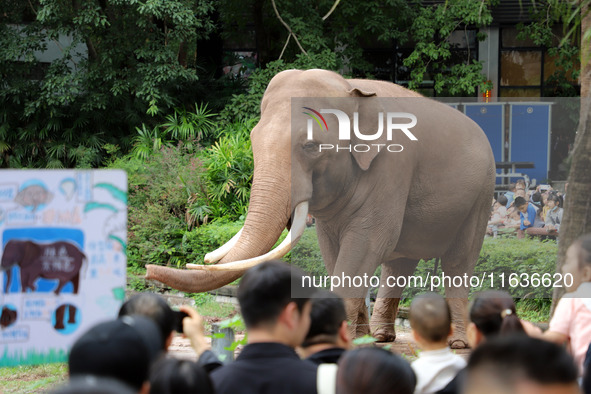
(294, 235)
(223, 250)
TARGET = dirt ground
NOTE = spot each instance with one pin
(404, 344)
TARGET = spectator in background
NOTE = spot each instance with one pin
(170, 376)
(520, 365)
(123, 349)
(498, 217)
(510, 195)
(154, 307)
(554, 215)
(527, 214)
(328, 337)
(276, 313)
(572, 318)
(437, 365)
(374, 371)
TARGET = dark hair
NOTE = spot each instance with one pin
(519, 201)
(502, 200)
(171, 375)
(555, 198)
(153, 306)
(374, 371)
(493, 313)
(507, 360)
(326, 317)
(430, 317)
(584, 243)
(267, 288)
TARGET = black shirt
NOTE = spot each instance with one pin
(330, 356)
(266, 368)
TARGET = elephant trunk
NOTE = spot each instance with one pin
(268, 214)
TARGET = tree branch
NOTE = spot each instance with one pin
(288, 28)
(334, 6)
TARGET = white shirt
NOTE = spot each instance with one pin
(435, 369)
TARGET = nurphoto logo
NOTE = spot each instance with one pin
(392, 120)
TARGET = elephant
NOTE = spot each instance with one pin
(58, 260)
(428, 197)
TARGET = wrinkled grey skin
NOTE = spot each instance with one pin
(431, 200)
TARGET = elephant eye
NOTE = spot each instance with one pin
(310, 146)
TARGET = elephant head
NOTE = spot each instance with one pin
(17, 252)
(290, 176)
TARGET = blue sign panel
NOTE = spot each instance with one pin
(530, 138)
(490, 118)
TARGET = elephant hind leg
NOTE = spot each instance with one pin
(71, 314)
(459, 260)
(386, 306)
(59, 317)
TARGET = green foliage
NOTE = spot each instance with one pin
(113, 63)
(180, 126)
(552, 23)
(230, 168)
(162, 190)
(306, 254)
(245, 107)
(432, 59)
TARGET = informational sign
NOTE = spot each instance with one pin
(63, 266)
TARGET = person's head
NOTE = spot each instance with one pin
(430, 320)
(553, 201)
(520, 184)
(536, 198)
(520, 365)
(328, 322)
(545, 198)
(122, 349)
(520, 193)
(502, 200)
(374, 371)
(512, 187)
(172, 375)
(155, 307)
(273, 301)
(578, 262)
(492, 313)
(521, 204)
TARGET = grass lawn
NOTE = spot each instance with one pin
(32, 378)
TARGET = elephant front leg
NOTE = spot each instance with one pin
(386, 306)
(357, 317)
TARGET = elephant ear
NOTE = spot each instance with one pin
(368, 108)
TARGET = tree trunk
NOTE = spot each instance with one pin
(577, 207)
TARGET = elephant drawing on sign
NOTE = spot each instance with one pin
(391, 198)
(59, 260)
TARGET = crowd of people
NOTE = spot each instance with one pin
(535, 212)
(299, 342)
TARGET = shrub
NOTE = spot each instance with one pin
(162, 190)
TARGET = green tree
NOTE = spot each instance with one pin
(125, 59)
